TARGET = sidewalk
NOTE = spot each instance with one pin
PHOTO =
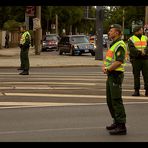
(10, 58)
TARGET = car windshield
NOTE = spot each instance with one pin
(79, 39)
(51, 37)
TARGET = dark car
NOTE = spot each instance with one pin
(75, 45)
(50, 42)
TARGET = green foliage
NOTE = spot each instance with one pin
(72, 16)
(114, 15)
(11, 25)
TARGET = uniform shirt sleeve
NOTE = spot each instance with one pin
(120, 54)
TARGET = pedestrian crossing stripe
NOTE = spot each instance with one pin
(16, 105)
(71, 95)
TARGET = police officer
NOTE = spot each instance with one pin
(114, 68)
(138, 53)
(25, 41)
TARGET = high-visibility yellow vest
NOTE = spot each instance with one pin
(140, 44)
(23, 37)
(111, 57)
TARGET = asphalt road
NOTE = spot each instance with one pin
(65, 105)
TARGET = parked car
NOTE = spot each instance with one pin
(75, 45)
(50, 42)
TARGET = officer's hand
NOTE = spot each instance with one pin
(104, 69)
(143, 52)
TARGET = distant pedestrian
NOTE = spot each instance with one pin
(138, 53)
(25, 42)
(114, 68)
(7, 40)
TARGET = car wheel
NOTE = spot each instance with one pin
(80, 53)
(92, 53)
(56, 49)
(60, 52)
(43, 50)
(71, 52)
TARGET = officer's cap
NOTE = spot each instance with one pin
(137, 28)
(117, 26)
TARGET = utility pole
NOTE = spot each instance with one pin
(146, 15)
(38, 32)
(99, 33)
(123, 19)
(27, 21)
(56, 24)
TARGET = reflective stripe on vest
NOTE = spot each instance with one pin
(23, 37)
(139, 43)
(110, 55)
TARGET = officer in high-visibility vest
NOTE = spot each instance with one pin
(114, 68)
(138, 53)
(25, 42)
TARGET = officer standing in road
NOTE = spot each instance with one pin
(25, 41)
(114, 68)
(138, 53)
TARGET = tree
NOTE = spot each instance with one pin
(11, 25)
(114, 14)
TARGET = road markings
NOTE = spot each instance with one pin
(71, 95)
(16, 105)
(50, 129)
(38, 87)
(63, 83)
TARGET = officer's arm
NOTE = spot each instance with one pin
(115, 65)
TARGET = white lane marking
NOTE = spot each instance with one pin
(16, 105)
(63, 83)
(71, 95)
(42, 103)
(47, 130)
(56, 103)
(38, 87)
(13, 105)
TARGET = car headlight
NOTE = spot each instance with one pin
(75, 46)
(44, 44)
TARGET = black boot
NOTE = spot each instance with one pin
(111, 127)
(20, 68)
(25, 72)
(146, 92)
(136, 93)
(119, 130)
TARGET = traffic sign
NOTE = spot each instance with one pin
(30, 10)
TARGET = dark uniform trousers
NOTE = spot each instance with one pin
(138, 66)
(114, 97)
(24, 58)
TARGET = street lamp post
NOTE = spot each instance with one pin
(57, 24)
(99, 33)
(38, 32)
(146, 15)
(123, 19)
